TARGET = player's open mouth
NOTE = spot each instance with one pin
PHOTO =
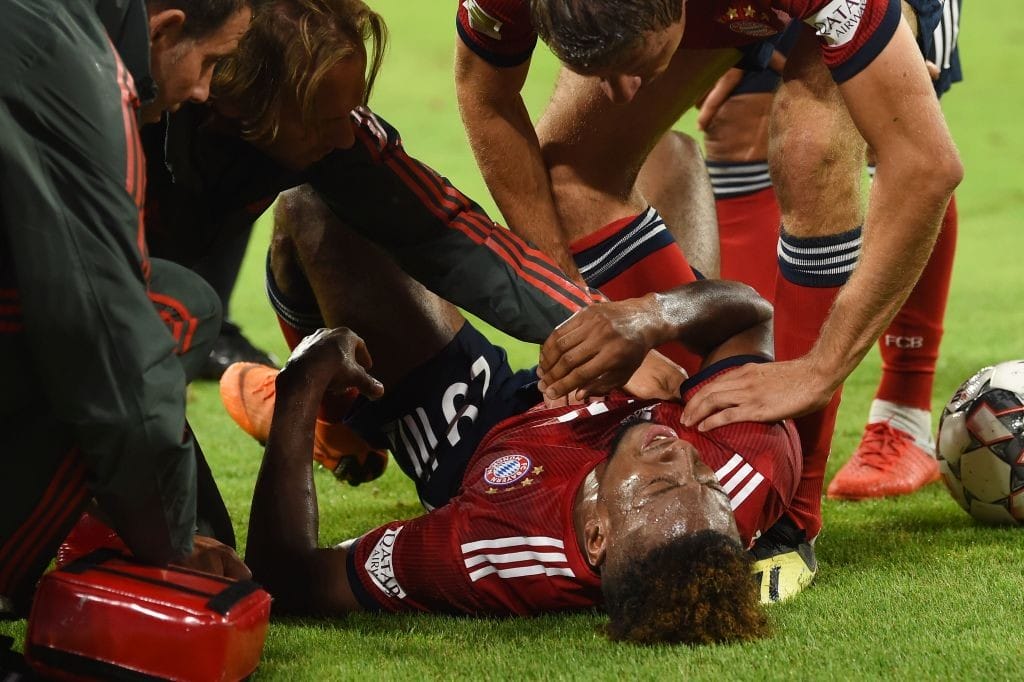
(658, 432)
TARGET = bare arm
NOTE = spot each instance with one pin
(507, 151)
(282, 548)
(600, 348)
(893, 105)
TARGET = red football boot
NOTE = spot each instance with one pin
(887, 462)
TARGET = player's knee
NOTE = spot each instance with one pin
(293, 206)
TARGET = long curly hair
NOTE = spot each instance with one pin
(289, 48)
(694, 589)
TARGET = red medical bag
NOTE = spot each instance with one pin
(107, 616)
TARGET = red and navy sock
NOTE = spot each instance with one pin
(910, 346)
(634, 256)
(811, 272)
(748, 223)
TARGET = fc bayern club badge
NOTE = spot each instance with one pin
(506, 470)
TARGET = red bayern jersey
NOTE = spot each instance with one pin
(506, 543)
(851, 32)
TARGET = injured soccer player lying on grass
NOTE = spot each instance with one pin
(532, 508)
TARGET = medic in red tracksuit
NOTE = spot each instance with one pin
(506, 543)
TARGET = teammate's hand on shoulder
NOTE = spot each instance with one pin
(338, 355)
(210, 556)
(759, 393)
(597, 349)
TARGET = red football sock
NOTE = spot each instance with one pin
(910, 346)
(632, 257)
(748, 232)
(811, 272)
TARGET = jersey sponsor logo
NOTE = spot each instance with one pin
(380, 564)
(482, 22)
(837, 22)
(507, 470)
(516, 557)
(747, 20)
(739, 480)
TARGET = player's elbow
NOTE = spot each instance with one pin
(933, 173)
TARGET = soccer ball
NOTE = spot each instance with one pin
(981, 444)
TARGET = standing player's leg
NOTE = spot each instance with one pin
(594, 150)
(445, 384)
(736, 143)
(896, 454)
(815, 155)
(675, 181)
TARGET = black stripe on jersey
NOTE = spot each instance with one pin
(446, 198)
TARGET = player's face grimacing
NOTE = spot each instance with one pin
(655, 488)
(301, 143)
(638, 67)
(183, 66)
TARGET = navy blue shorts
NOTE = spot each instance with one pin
(938, 25)
(433, 420)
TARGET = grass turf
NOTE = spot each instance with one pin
(908, 588)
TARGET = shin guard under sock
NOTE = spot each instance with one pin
(748, 231)
(811, 271)
(910, 345)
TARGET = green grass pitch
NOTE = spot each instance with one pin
(907, 588)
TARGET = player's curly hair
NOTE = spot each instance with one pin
(593, 34)
(288, 50)
(694, 589)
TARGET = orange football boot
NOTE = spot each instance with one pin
(248, 392)
(887, 462)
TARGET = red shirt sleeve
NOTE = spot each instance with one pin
(410, 566)
(758, 465)
(498, 31)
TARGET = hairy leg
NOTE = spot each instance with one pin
(675, 180)
(357, 285)
(594, 149)
(815, 152)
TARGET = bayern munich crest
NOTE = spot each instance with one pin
(507, 470)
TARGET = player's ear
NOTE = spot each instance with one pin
(595, 540)
(165, 27)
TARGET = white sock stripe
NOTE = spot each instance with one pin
(749, 488)
(850, 258)
(512, 557)
(512, 541)
(789, 247)
(650, 220)
(613, 257)
(732, 181)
